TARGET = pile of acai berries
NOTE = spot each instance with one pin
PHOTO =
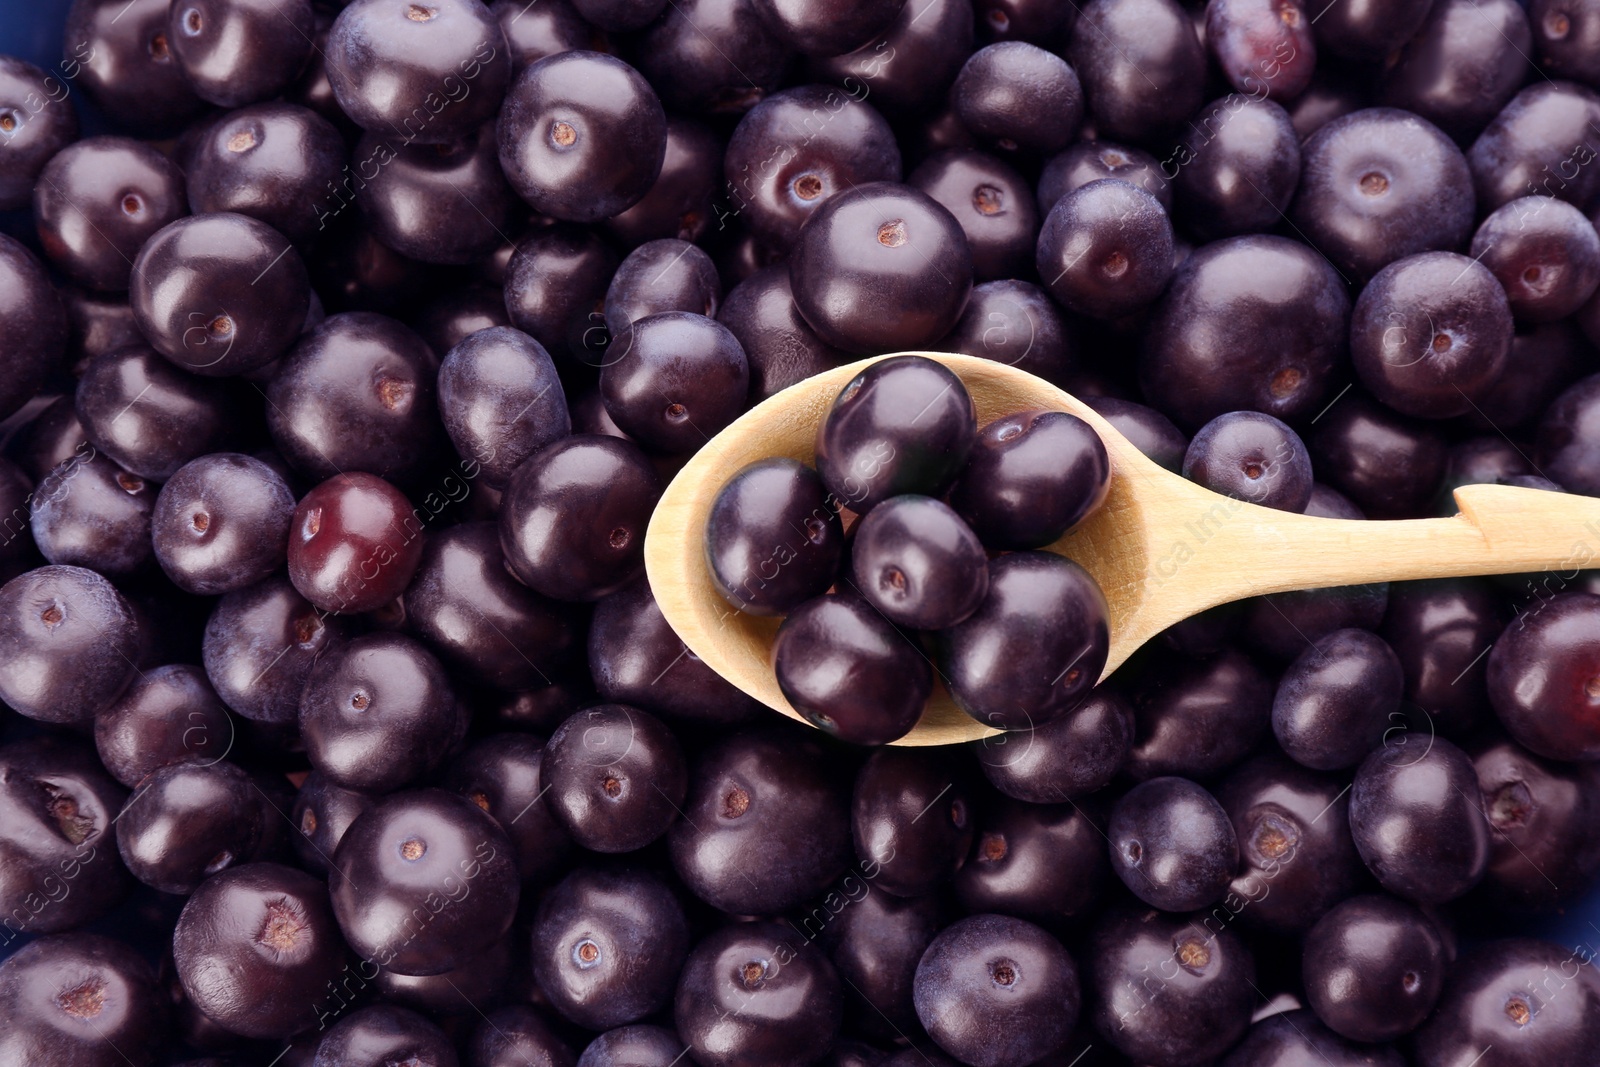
(1020, 640)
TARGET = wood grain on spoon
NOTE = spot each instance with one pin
(1162, 548)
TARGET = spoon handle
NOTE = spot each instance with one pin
(1500, 530)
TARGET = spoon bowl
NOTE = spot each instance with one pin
(1161, 547)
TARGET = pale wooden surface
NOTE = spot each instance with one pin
(1162, 548)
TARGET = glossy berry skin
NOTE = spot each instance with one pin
(1015, 323)
(123, 61)
(1042, 862)
(875, 942)
(608, 945)
(1544, 677)
(1264, 47)
(1105, 249)
(674, 379)
(915, 561)
(1089, 161)
(221, 523)
(1437, 628)
(166, 715)
(1151, 432)
(773, 538)
(637, 659)
(501, 400)
(377, 713)
(1497, 996)
(381, 1034)
(80, 1000)
(354, 544)
(509, 1036)
(501, 773)
(445, 203)
(1417, 822)
(321, 814)
(766, 825)
(1462, 66)
(260, 644)
(1566, 38)
(543, 31)
(642, 1045)
(830, 28)
(780, 347)
(881, 267)
(933, 40)
(616, 777)
(219, 294)
(429, 79)
(1544, 253)
(1205, 1006)
(1172, 844)
(582, 136)
(1369, 30)
(911, 816)
(850, 672)
(413, 846)
(1295, 1037)
(1250, 456)
(455, 316)
(1197, 718)
(1238, 166)
(1387, 464)
(98, 323)
(59, 809)
(268, 161)
(1216, 344)
(555, 283)
(992, 990)
(1297, 859)
(992, 203)
(1523, 151)
(573, 517)
(1431, 333)
(1019, 98)
(751, 995)
(92, 513)
(256, 947)
(1569, 437)
(664, 275)
(679, 202)
(1337, 700)
(189, 821)
(718, 56)
(357, 393)
(67, 644)
(783, 163)
(1117, 39)
(1051, 618)
(98, 201)
(149, 416)
(466, 604)
(33, 324)
(236, 52)
(42, 123)
(903, 425)
(1541, 854)
(477, 985)
(1078, 753)
(1381, 184)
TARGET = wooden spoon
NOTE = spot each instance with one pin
(1162, 548)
